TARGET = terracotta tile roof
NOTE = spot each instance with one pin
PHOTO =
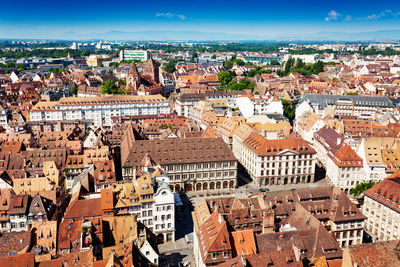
(262, 146)
(13, 147)
(14, 243)
(104, 172)
(346, 157)
(324, 203)
(213, 235)
(25, 260)
(83, 208)
(210, 133)
(19, 204)
(378, 254)
(244, 243)
(107, 199)
(282, 258)
(78, 259)
(387, 192)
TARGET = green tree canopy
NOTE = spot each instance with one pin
(74, 90)
(288, 110)
(241, 85)
(21, 67)
(10, 65)
(362, 187)
(274, 62)
(258, 70)
(109, 87)
(225, 77)
(228, 64)
(170, 66)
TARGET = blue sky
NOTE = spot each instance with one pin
(264, 19)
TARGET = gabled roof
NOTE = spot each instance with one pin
(262, 146)
(213, 233)
(83, 208)
(244, 243)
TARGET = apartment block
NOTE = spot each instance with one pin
(99, 109)
(275, 162)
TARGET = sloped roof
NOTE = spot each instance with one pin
(378, 254)
(244, 243)
(262, 146)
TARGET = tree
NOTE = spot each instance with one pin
(100, 65)
(318, 67)
(288, 66)
(288, 110)
(109, 88)
(194, 56)
(74, 90)
(241, 85)
(214, 57)
(170, 66)
(300, 64)
(361, 187)
(122, 81)
(274, 62)
(21, 67)
(225, 77)
(228, 64)
(10, 65)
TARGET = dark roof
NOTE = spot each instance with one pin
(173, 151)
(329, 136)
(323, 100)
(41, 205)
(324, 203)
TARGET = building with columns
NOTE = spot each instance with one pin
(275, 162)
(191, 164)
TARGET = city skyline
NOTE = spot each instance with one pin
(217, 20)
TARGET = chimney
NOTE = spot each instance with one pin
(338, 141)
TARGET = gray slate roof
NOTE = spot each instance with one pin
(322, 101)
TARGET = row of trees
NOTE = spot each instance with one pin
(299, 66)
(50, 53)
(362, 187)
(258, 70)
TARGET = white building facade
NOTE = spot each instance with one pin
(99, 109)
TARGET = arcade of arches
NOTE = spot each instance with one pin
(203, 186)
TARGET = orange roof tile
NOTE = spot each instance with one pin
(244, 242)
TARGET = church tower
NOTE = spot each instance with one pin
(151, 69)
(133, 78)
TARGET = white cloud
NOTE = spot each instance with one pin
(171, 15)
(333, 15)
(348, 18)
(383, 14)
